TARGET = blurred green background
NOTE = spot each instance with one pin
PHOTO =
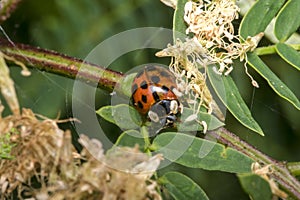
(76, 27)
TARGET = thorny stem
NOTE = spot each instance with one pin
(7, 7)
(280, 170)
(67, 66)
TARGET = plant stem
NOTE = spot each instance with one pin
(296, 46)
(260, 51)
(280, 170)
(56, 63)
(6, 8)
(294, 167)
(74, 68)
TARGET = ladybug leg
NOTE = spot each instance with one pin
(170, 119)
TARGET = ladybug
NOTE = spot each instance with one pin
(153, 94)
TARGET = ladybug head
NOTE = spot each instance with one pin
(165, 112)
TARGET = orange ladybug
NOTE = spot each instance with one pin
(152, 95)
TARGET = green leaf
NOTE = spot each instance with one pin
(211, 121)
(227, 91)
(276, 84)
(124, 86)
(106, 113)
(289, 54)
(182, 187)
(130, 138)
(257, 187)
(122, 115)
(288, 20)
(6, 145)
(195, 152)
(259, 16)
(179, 25)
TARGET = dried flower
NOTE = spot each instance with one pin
(213, 42)
(189, 61)
(44, 152)
(264, 172)
(211, 24)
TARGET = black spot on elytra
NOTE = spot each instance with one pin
(144, 85)
(134, 87)
(165, 88)
(155, 96)
(151, 68)
(139, 74)
(140, 105)
(165, 74)
(155, 79)
(144, 98)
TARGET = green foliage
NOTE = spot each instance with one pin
(286, 21)
(200, 153)
(196, 152)
(255, 21)
(257, 187)
(259, 16)
(131, 138)
(275, 83)
(179, 25)
(6, 145)
(227, 91)
(124, 86)
(181, 187)
(189, 150)
(126, 117)
(185, 125)
(289, 54)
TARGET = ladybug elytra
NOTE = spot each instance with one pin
(152, 95)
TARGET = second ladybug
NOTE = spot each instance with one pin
(153, 95)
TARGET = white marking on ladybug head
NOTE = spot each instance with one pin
(153, 116)
(177, 93)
